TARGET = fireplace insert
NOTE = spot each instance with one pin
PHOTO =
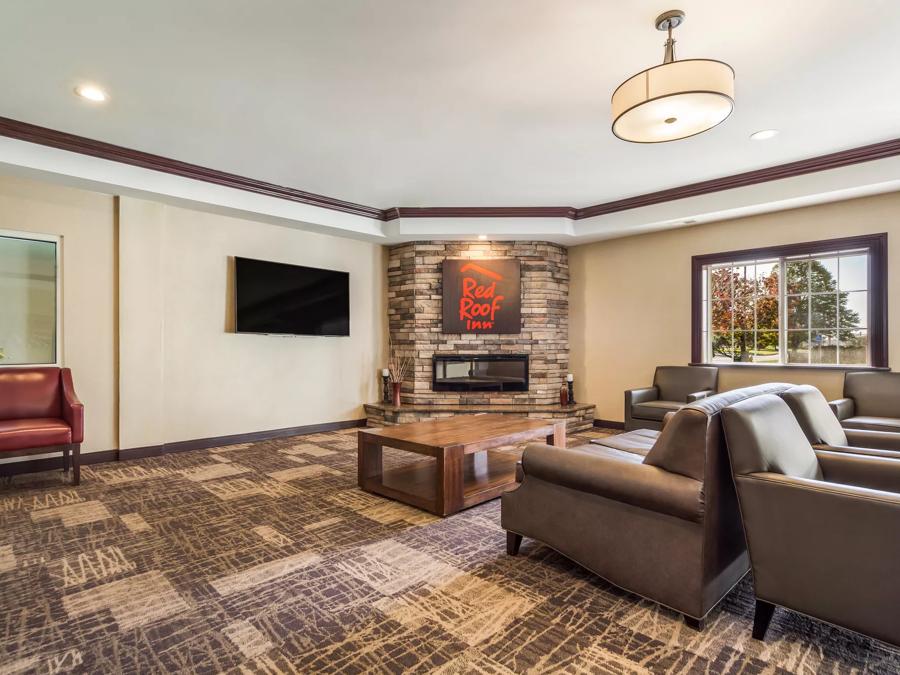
(480, 372)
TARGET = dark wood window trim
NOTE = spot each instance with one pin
(878, 300)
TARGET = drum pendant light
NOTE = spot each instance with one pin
(674, 100)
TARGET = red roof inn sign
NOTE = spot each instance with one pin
(482, 296)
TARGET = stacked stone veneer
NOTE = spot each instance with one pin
(415, 296)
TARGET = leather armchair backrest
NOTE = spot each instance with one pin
(814, 415)
(874, 394)
(764, 437)
(29, 392)
(676, 382)
(693, 434)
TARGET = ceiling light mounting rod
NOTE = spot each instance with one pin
(668, 21)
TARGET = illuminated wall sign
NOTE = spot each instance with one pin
(482, 296)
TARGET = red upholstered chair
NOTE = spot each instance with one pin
(39, 413)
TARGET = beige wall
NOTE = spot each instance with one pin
(630, 299)
(146, 309)
(86, 223)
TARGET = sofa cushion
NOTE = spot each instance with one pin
(638, 441)
(654, 410)
(33, 433)
(872, 423)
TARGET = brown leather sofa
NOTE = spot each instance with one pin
(823, 430)
(40, 413)
(821, 526)
(673, 388)
(662, 523)
(871, 401)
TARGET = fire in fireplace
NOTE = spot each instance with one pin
(480, 372)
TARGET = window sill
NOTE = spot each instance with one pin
(793, 366)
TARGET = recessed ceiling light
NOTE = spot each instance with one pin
(91, 93)
(482, 237)
(764, 134)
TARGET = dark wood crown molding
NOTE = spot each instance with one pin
(87, 146)
(65, 141)
(481, 212)
(834, 160)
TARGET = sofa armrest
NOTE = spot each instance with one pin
(617, 477)
(865, 471)
(698, 395)
(633, 396)
(878, 440)
(72, 408)
(843, 408)
(833, 532)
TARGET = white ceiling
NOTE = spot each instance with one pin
(437, 103)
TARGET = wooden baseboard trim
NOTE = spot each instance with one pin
(125, 454)
(251, 437)
(609, 424)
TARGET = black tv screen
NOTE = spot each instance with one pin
(289, 299)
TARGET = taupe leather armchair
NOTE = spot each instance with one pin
(673, 388)
(823, 430)
(821, 526)
(871, 401)
(662, 523)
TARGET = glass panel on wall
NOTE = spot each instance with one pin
(28, 269)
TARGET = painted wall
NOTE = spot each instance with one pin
(147, 314)
(86, 223)
(630, 298)
(211, 381)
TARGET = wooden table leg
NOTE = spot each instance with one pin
(368, 457)
(558, 437)
(449, 493)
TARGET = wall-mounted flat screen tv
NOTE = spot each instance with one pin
(284, 299)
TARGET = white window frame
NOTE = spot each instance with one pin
(57, 342)
(782, 297)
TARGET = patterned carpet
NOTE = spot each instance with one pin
(265, 558)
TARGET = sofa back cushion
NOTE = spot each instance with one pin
(764, 436)
(874, 394)
(675, 383)
(29, 392)
(814, 415)
(684, 444)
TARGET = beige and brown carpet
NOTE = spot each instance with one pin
(266, 558)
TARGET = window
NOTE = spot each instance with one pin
(29, 291)
(815, 304)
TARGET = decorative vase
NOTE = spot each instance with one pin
(396, 392)
(564, 395)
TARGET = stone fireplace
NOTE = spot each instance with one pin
(415, 296)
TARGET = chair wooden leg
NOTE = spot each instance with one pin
(761, 618)
(66, 459)
(76, 464)
(691, 622)
(513, 541)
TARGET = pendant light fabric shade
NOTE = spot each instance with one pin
(673, 101)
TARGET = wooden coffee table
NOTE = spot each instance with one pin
(464, 471)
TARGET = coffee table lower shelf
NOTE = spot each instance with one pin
(486, 475)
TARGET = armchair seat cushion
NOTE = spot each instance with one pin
(872, 423)
(655, 410)
(638, 441)
(37, 432)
